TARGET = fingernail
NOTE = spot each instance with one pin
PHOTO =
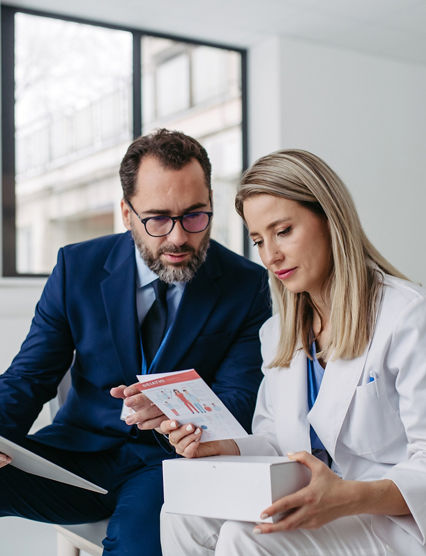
(3, 458)
(291, 453)
(173, 424)
(257, 531)
(264, 516)
(198, 431)
(189, 428)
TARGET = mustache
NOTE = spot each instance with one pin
(174, 249)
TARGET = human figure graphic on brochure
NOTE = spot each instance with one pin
(194, 400)
(185, 401)
(172, 409)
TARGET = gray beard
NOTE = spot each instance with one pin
(173, 273)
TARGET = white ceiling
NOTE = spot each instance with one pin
(392, 28)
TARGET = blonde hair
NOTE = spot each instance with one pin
(355, 280)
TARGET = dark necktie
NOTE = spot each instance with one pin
(154, 324)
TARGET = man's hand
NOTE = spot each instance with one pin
(4, 460)
(146, 414)
(186, 441)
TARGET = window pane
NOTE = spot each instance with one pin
(173, 85)
(73, 124)
(197, 89)
(215, 72)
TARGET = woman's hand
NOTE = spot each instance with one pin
(325, 498)
(328, 497)
(4, 460)
(186, 441)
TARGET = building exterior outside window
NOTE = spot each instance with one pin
(74, 120)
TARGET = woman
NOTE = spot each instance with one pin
(344, 391)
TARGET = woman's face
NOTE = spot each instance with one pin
(293, 242)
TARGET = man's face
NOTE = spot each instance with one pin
(163, 191)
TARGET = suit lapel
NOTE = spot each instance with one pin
(198, 301)
(340, 380)
(119, 297)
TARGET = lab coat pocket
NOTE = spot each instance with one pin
(372, 425)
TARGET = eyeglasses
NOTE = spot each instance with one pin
(162, 225)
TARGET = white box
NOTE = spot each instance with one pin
(230, 487)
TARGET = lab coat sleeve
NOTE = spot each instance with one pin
(263, 441)
(407, 359)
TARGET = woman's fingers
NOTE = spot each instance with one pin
(183, 436)
(168, 426)
(176, 436)
(190, 447)
(307, 459)
(285, 504)
(180, 437)
(325, 498)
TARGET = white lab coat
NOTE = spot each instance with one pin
(372, 429)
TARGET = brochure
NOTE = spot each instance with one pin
(184, 396)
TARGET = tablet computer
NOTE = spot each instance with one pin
(32, 463)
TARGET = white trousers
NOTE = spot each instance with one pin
(185, 535)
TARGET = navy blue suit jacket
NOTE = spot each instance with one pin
(86, 318)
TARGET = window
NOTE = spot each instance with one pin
(75, 94)
(197, 89)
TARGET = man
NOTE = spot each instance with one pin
(104, 314)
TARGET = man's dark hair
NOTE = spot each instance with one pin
(173, 149)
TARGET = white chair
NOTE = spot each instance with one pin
(86, 536)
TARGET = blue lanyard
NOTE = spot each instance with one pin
(144, 368)
(312, 383)
(313, 388)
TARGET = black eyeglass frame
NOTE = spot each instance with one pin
(174, 219)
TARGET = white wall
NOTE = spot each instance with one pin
(366, 116)
(17, 301)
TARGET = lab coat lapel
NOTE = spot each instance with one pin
(292, 397)
(338, 386)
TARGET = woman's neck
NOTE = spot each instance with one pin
(321, 323)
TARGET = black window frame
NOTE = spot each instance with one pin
(8, 217)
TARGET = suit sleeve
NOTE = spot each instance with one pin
(44, 357)
(407, 358)
(238, 378)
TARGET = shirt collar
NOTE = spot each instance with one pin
(145, 275)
